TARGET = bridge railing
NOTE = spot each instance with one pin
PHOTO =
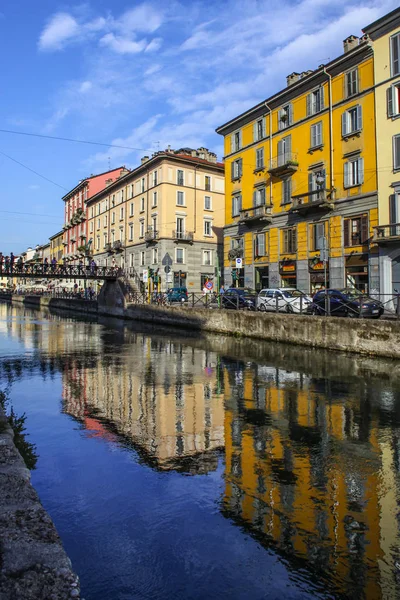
(49, 271)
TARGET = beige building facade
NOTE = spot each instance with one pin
(168, 212)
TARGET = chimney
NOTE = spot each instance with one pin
(123, 172)
(144, 159)
(169, 148)
(292, 78)
(350, 43)
(364, 39)
(305, 73)
(108, 182)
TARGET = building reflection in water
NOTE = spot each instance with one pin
(310, 470)
(163, 397)
(312, 462)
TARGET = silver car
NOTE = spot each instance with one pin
(288, 300)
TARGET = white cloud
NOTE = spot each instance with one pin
(122, 45)
(152, 69)
(33, 187)
(154, 45)
(61, 28)
(85, 87)
(143, 18)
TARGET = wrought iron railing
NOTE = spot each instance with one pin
(384, 233)
(185, 236)
(41, 270)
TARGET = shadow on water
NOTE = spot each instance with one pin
(310, 439)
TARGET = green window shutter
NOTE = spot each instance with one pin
(360, 170)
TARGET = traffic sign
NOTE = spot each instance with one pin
(145, 276)
(167, 260)
(239, 263)
(167, 268)
(209, 285)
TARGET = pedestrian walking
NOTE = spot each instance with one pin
(45, 264)
(93, 266)
(7, 263)
(53, 264)
(12, 260)
(222, 290)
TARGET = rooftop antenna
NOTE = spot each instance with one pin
(157, 144)
(109, 163)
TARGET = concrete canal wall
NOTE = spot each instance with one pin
(363, 336)
(33, 563)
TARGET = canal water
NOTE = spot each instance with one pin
(190, 467)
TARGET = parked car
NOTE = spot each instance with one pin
(288, 300)
(177, 294)
(239, 298)
(346, 303)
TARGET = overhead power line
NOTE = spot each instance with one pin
(32, 171)
(64, 139)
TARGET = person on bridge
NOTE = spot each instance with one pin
(93, 266)
(45, 264)
(7, 264)
(53, 263)
(20, 263)
(1, 262)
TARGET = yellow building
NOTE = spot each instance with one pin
(385, 38)
(56, 246)
(300, 172)
(168, 212)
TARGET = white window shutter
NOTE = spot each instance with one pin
(360, 170)
(281, 124)
(390, 100)
(308, 105)
(264, 127)
(359, 117)
(288, 147)
(346, 174)
(240, 138)
(290, 114)
(311, 182)
(344, 124)
(240, 167)
(312, 130)
(322, 97)
(232, 143)
(255, 131)
(233, 169)
(280, 152)
(396, 151)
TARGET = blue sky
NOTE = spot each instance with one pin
(142, 75)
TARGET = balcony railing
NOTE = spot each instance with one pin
(118, 246)
(183, 236)
(387, 233)
(151, 235)
(257, 213)
(284, 164)
(316, 200)
(108, 247)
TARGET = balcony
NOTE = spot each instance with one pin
(183, 236)
(118, 246)
(151, 236)
(256, 213)
(284, 164)
(311, 201)
(108, 248)
(73, 239)
(387, 234)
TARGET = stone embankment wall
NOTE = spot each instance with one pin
(363, 336)
(33, 563)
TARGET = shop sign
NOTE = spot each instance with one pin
(316, 265)
(286, 267)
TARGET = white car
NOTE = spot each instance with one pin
(288, 300)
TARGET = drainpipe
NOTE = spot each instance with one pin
(332, 180)
(195, 198)
(270, 148)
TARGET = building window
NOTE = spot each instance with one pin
(122, 195)
(131, 209)
(141, 204)
(180, 256)
(155, 256)
(143, 184)
(155, 177)
(393, 100)
(121, 234)
(98, 242)
(105, 221)
(106, 204)
(351, 82)
(317, 233)
(236, 205)
(260, 158)
(236, 141)
(236, 169)
(154, 199)
(207, 202)
(131, 260)
(315, 101)
(353, 172)
(180, 198)
(208, 228)
(179, 177)
(316, 135)
(130, 232)
(91, 212)
(142, 259)
(91, 227)
(98, 223)
(112, 236)
(395, 54)
(207, 183)
(131, 196)
(141, 229)
(352, 120)
(355, 231)
(284, 150)
(112, 218)
(259, 196)
(286, 191)
(180, 227)
(259, 245)
(259, 130)
(207, 257)
(317, 180)
(113, 200)
(97, 209)
(285, 116)
(121, 213)
(396, 152)
(289, 240)
(154, 221)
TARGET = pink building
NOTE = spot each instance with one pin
(75, 240)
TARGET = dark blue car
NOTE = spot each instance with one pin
(346, 303)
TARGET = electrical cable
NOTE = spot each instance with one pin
(32, 171)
